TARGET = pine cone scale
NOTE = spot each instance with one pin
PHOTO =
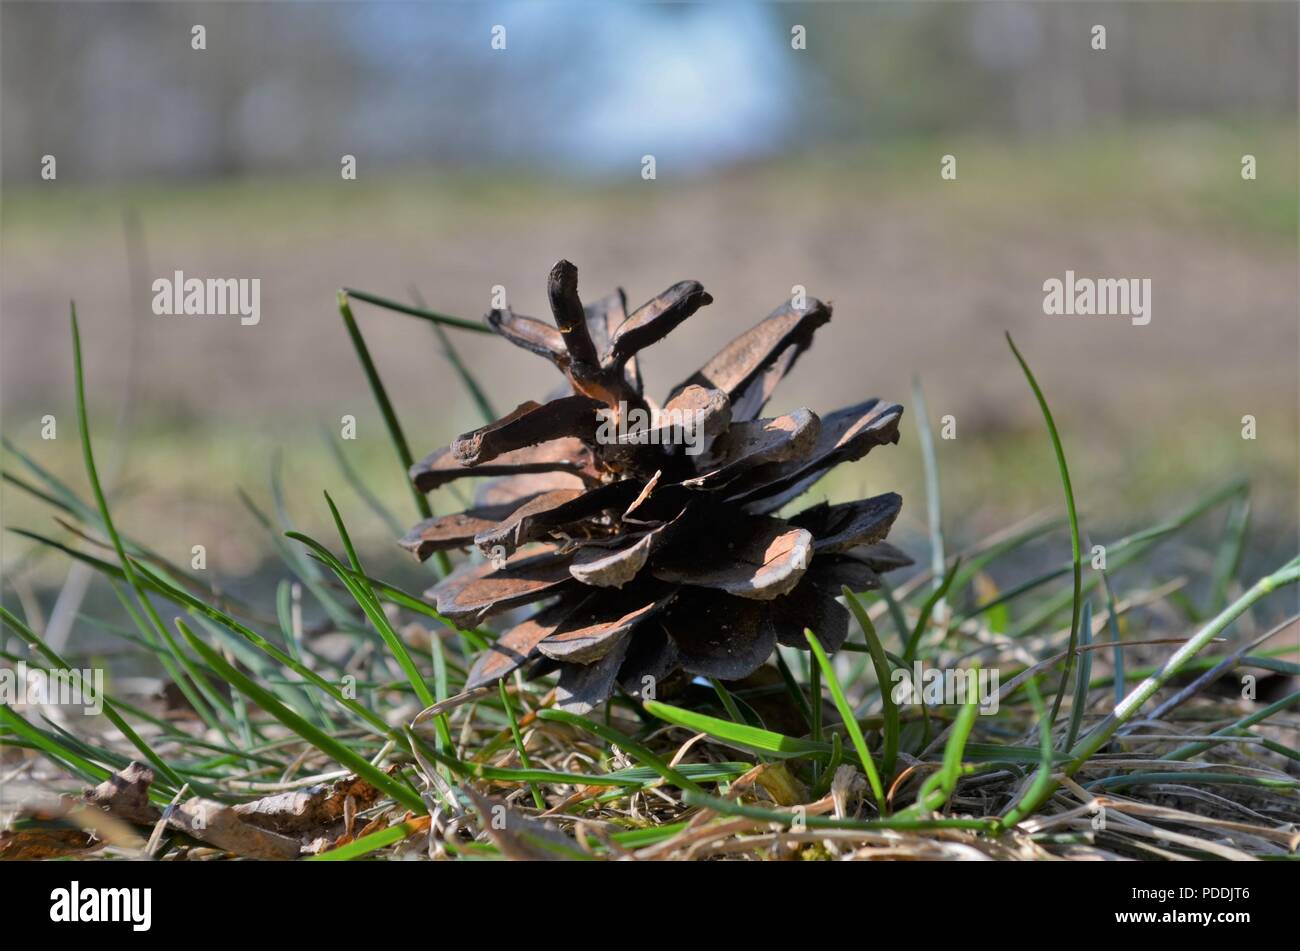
(759, 559)
(567, 454)
(750, 354)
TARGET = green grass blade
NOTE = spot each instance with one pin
(476, 392)
(895, 612)
(930, 463)
(624, 742)
(60, 753)
(470, 770)
(284, 610)
(1076, 555)
(365, 597)
(729, 807)
(938, 789)
(358, 486)
(1041, 788)
(390, 416)
(303, 568)
(369, 843)
(1182, 658)
(467, 378)
(927, 609)
(1192, 749)
(1124, 551)
(792, 688)
(739, 735)
(345, 756)
(979, 559)
(1228, 557)
(888, 709)
(110, 710)
(727, 700)
(849, 720)
(184, 598)
(183, 680)
(1112, 624)
(424, 314)
(1083, 677)
(519, 741)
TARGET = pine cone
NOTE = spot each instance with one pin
(652, 529)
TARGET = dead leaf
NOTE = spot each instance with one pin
(520, 837)
(308, 810)
(45, 842)
(125, 795)
(220, 825)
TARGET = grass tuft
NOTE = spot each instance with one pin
(359, 682)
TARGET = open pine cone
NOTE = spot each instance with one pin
(658, 551)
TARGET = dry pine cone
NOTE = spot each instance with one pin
(658, 552)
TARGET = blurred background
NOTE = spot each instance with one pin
(774, 167)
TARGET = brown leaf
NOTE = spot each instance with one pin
(529, 424)
(781, 785)
(40, 843)
(125, 795)
(410, 826)
(307, 810)
(558, 455)
(518, 837)
(219, 825)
